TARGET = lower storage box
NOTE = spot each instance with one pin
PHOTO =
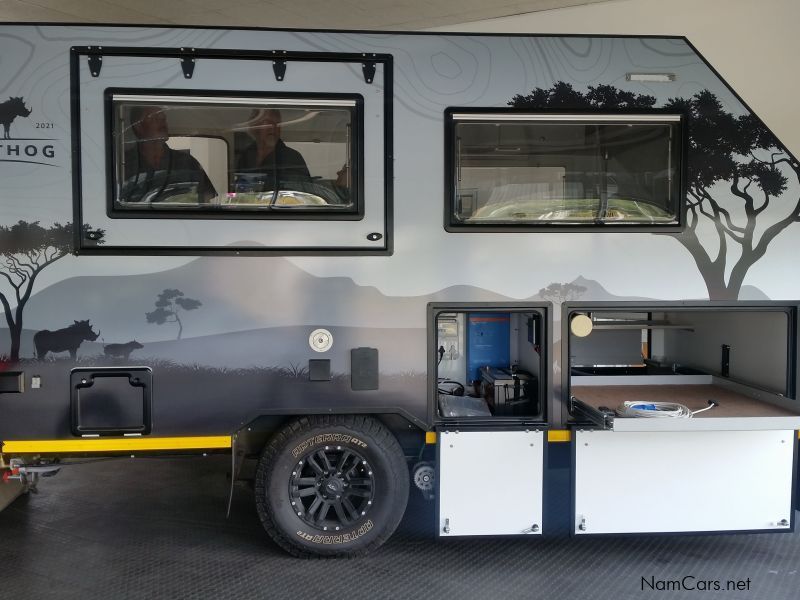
(683, 481)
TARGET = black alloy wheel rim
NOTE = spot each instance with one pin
(331, 488)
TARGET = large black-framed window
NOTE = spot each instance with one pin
(227, 154)
(536, 171)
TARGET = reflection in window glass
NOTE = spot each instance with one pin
(234, 154)
(566, 169)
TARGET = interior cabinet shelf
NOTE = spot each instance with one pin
(639, 325)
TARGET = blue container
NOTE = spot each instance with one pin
(488, 342)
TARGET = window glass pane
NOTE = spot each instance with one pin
(232, 154)
(533, 171)
(212, 155)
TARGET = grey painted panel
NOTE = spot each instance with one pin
(607, 347)
(529, 359)
(236, 76)
(758, 341)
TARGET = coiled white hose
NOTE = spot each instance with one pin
(656, 410)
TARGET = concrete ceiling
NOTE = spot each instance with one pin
(303, 14)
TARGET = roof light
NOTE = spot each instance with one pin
(651, 77)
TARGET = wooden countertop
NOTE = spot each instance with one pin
(694, 397)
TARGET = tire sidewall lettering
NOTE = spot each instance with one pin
(326, 438)
(343, 538)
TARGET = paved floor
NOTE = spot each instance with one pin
(156, 528)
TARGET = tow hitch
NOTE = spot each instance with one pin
(28, 475)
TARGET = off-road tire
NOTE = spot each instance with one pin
(278, 464)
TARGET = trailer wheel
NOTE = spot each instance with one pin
(332, 485)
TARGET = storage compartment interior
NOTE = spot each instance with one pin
(12, 382)
(489, 364)
(725, 362)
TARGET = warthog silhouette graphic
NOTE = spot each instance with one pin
(61, 340)
(121, 350)
(10, 110)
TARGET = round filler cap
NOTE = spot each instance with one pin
(581, 325)
(320, 340)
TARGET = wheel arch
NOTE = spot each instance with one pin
(258, 430)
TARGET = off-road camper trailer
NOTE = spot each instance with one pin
(366, 262)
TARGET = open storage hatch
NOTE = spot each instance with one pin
(685, 415)
(488, 398)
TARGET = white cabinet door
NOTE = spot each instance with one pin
(675, 481)
(490, 482)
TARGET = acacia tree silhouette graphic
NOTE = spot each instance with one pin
(169, 305)
(562, 292)
(736, 171)
(27, 249)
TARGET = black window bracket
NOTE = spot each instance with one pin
(368, 68)
(187, 62)
(279, 64)
(95, 59)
